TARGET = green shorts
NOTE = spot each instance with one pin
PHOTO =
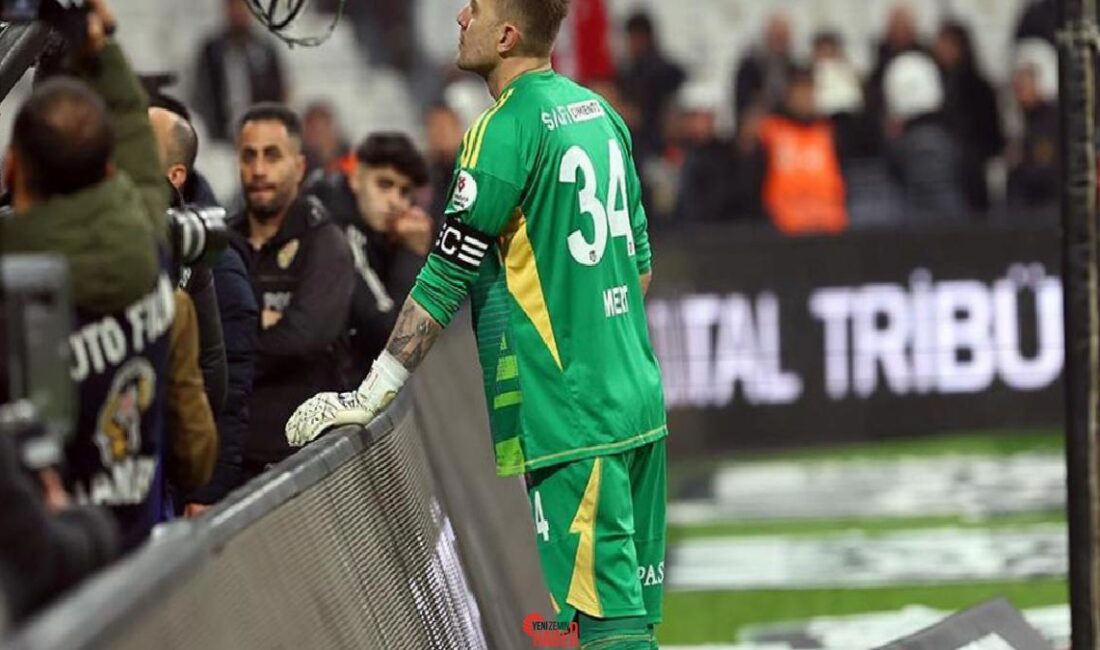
(600, 531)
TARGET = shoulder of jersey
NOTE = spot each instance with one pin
(498, 124)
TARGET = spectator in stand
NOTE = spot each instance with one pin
(1033, 176)
(901, 36)
(388, 233)
(444, 133)
(970, 108)
(803, 188)
(838, 95)
(237, 314)
(923, 154)
(302, 276)
(871, 199)
(709, 176)
(649, 81)
(236, 68)
(324, 142)
(827, 46)
(1039, 20)
(762, 76)
(385, 32)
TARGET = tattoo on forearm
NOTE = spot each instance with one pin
(413, 335)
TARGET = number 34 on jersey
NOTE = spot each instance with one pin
(614, 218)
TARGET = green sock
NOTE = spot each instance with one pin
(627, 633)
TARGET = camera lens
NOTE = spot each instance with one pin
(198, 233)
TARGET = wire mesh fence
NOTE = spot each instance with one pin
(343, 546)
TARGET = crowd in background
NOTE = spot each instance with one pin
(326, 235)
(815, 147)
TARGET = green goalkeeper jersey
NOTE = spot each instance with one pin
(546, 231)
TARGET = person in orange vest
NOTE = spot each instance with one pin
(803, 189)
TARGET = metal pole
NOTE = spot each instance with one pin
(19, 47)
(1080, 266)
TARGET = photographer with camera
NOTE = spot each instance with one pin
(177, 145)
(85, 183)
(233, 309)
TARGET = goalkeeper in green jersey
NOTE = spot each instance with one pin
(545, 231)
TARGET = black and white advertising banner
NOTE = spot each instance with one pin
(768, 341)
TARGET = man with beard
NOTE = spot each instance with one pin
(302, 274)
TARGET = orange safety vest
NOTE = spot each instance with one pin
(803, 186)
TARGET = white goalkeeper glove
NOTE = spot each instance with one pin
(327, 410)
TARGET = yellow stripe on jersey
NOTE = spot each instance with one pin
(471, 136)
(468, 139)
(483, 126)
(466, 143)
(582, 585)
(522, 276)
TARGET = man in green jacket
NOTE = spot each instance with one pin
(85, 182)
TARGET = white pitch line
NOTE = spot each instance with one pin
(974, 486)
(847, 560)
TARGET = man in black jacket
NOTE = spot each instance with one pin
(237, 314)
(649, 81)
(389, 235)
(302, 275)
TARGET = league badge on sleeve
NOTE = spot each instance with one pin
(465, 192)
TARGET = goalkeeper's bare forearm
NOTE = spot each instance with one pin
(413, 335)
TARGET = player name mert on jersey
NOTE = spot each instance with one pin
(575, 113)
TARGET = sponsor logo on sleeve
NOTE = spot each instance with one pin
(584, 111)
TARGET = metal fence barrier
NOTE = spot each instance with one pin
(347, 544)
(342, 546)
